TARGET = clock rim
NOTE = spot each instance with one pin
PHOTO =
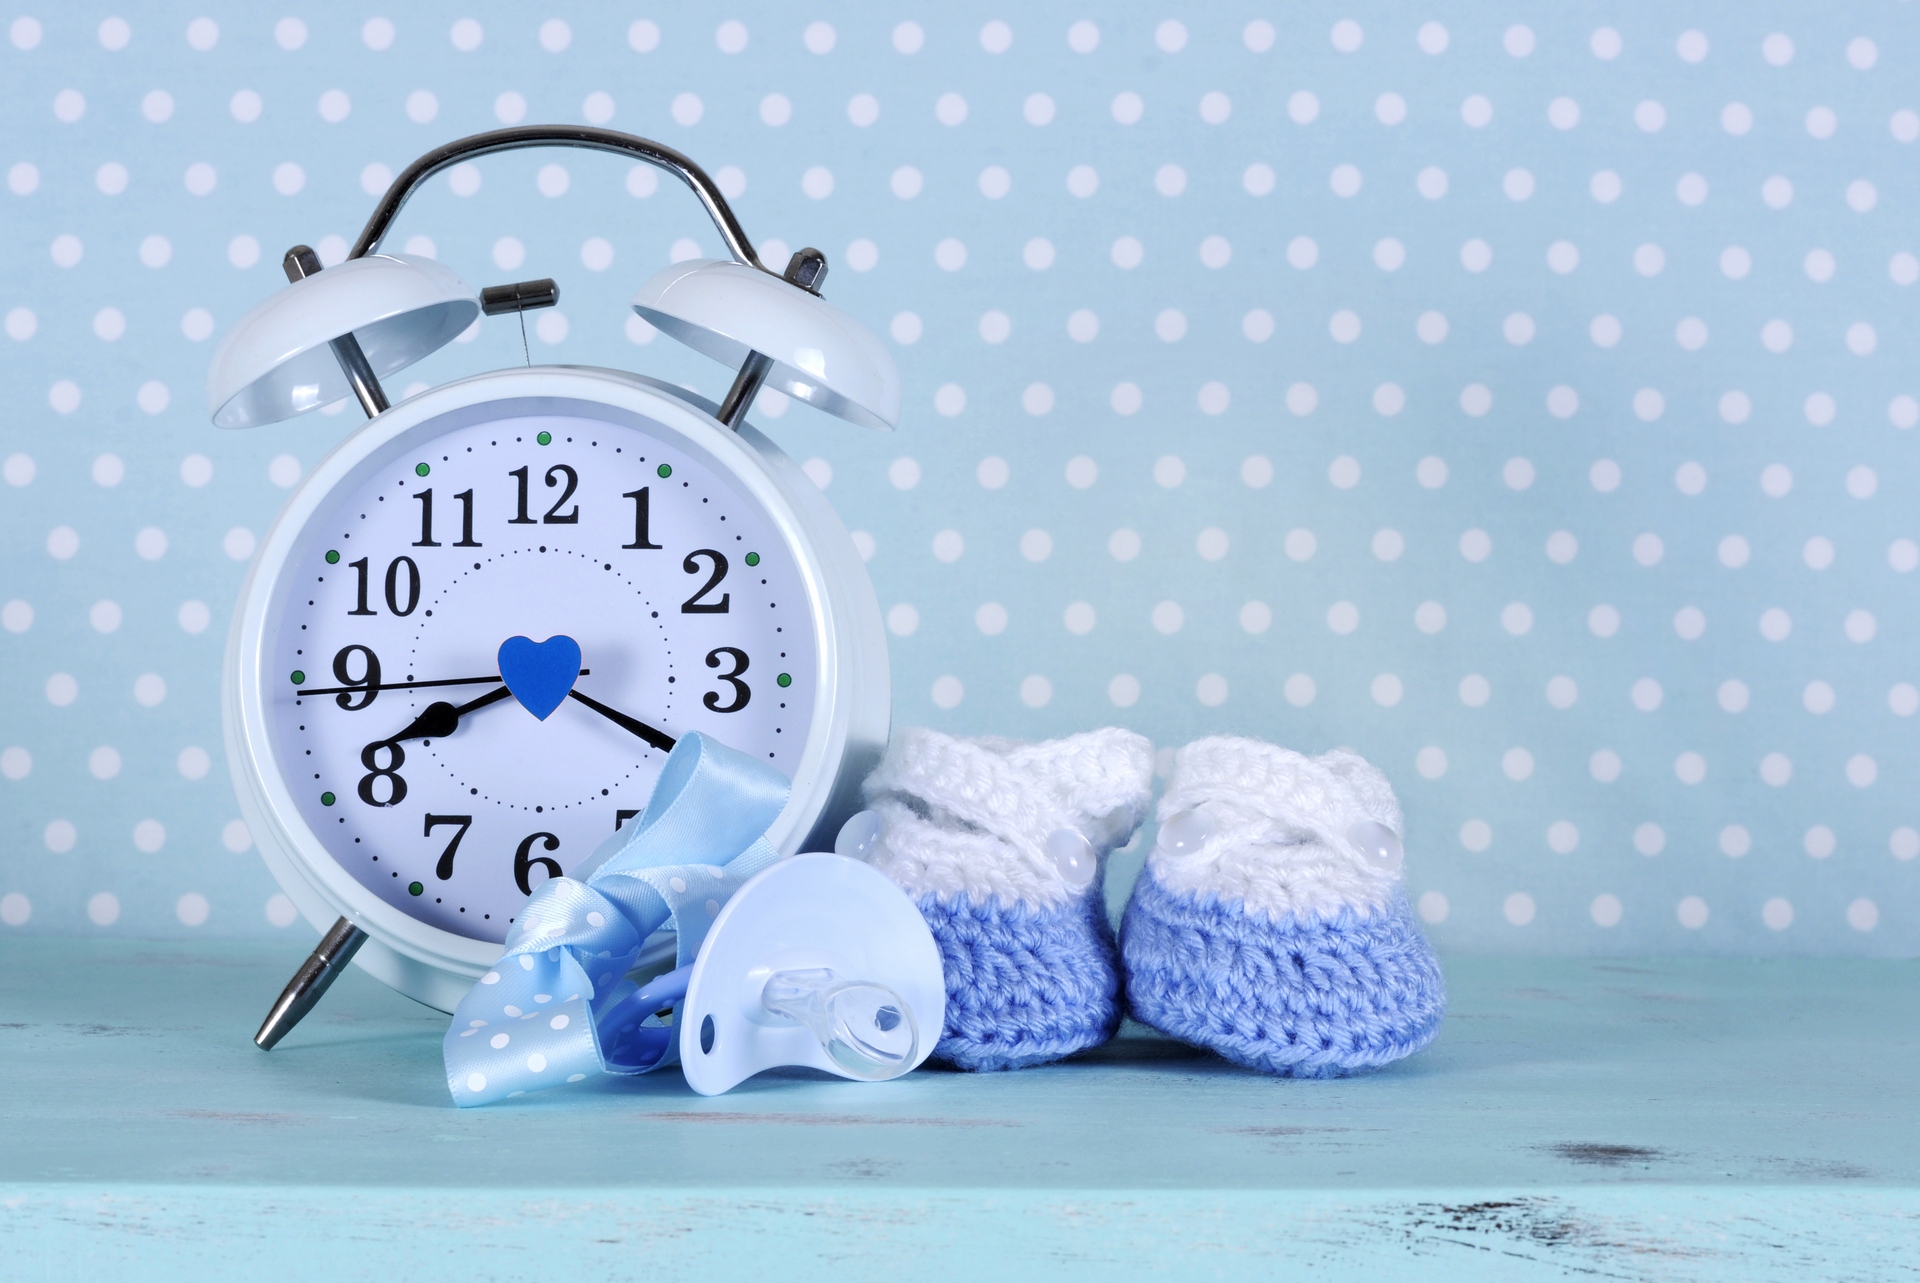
(429, 963)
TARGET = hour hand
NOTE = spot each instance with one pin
(440, 719)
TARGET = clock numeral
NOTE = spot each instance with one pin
(396, 787)
(621, 816)
(523, 863)
(426, 520)
(466, 520)
(732, 678)
(393, 584)
(642, 504)
(696, 605)
(393, 587)
(361, 567)
(520, 475)
(554, 516)
(368, 682)
(444, 869)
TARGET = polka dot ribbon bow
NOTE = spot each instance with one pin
(558, 1006)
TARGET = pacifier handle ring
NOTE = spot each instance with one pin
(658, 155)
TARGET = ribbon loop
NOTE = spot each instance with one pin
(558, 1006)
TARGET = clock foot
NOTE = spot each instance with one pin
(322, 967)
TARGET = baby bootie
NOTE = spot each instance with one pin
(1270, 925)
(1002, 845)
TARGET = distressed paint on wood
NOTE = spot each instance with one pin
(1661, 1119)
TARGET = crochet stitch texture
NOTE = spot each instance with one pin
(1031, 967)
(1279, 943)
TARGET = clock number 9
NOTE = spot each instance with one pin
(396, 787)
(523, 864)
(368, 682)
(741, 694)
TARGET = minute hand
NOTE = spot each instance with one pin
(658, 739)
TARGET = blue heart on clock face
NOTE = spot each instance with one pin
(539, 673)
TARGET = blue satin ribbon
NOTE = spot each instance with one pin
(558, 1006)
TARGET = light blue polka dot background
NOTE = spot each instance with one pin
(1525, 398)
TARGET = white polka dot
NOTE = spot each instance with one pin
(1476, 255)
(1517, 908)
(1476, 545)
(1347, 35)
(991, 619)
(1211, 690)
(1692, 912)
(1300, 545)
(1345, 180)
(1344, 472)
(1387, 690)
(1476, 111)
(1035, 691)
(103, 909)
(1299, 690)
(63, 542)
(1171, 35)
(1430, 617)
(1168, 618)
(1123, 545)
(192, 909)
(947, 692)
(1342, 618)
(1604, 766)
(194, 617)
(1256, 617)
(1036, 545)
(1127, 107)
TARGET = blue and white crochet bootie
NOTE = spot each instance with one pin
(1002, 846)
(1270, 924)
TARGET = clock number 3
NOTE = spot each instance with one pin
(732, 678)
(697, 604)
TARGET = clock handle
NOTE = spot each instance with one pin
(321, 969)
(658, 155)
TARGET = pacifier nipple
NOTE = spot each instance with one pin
(1073, 855)
(859, 836)
(1185, 832)
(1378, 843)
(867, 1029)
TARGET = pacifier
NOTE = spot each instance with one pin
(817, 961)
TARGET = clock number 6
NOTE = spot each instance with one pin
(732, 678)
(444, 869)
(397, 787)
(523, 864)
(695, 605)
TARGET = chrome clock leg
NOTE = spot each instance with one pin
(322, 967)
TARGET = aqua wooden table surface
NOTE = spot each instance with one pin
(1621, 1119)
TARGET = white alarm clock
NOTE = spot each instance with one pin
(468, 641)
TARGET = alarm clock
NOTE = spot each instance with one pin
(470, 638)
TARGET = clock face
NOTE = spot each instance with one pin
(483, 648)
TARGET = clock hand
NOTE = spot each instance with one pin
(405, 686)
(658, 739)
(440, 719)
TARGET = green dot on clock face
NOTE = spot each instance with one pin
(333, 556)
(421, 469)
(665, 470)
(414, 888)
(784, 679)
(298, 677)
(545, 438)
(753, 559)
(326, 799)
